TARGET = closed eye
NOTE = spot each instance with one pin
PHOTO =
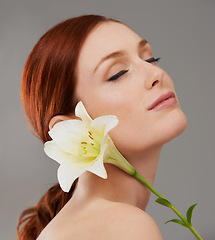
(118, 75)
(152, 59)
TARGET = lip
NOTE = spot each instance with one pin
(161, 99)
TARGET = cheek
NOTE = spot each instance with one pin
(108, 101)
(133, 133)
(130, 138)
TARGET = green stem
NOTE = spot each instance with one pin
(149, 186)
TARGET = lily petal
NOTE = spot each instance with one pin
(66, 176)
(69, 134)
(53, 151)
(81, 112)
(98, 167)
(104, 124)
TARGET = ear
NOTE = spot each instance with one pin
(59, 118)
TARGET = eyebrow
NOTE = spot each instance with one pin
(118, 54)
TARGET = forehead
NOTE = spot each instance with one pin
(106, 38)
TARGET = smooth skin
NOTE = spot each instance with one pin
(114, 208)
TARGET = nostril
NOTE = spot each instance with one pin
(154, 83)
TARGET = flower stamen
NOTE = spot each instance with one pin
(90, 133)
(90, 137)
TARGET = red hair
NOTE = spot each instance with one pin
(47, 89)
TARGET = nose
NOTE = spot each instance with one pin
(154, 76)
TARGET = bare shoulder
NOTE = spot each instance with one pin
(107, 221)
(129, 222)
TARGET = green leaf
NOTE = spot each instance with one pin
(189, 212)
(178, 221)
(163, 202)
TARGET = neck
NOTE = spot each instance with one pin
(119, 186)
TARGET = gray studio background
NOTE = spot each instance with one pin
(182, 33)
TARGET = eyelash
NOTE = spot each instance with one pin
(120, 73)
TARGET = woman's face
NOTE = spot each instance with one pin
(110, 48)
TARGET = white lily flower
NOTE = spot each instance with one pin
(83, 145)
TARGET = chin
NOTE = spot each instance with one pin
(176, 126)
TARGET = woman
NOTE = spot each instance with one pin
(108, 67)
